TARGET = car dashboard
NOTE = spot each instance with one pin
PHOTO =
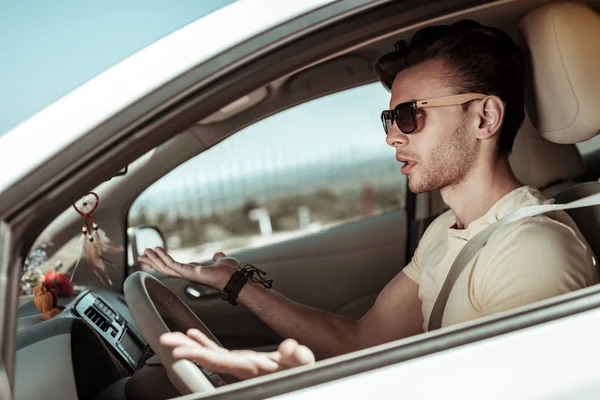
(94, 332)
(116, 331)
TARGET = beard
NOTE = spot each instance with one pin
(447, 165)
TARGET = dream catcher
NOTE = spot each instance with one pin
(94, 242)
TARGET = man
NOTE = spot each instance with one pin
(456, 105)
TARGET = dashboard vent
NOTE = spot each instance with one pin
(97, 318)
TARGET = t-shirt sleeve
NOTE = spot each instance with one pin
(430, 236)
(539, 259)
(412, 270)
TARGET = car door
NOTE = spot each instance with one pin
(4, 385)
(311, 195)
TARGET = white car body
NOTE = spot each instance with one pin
(551, 361)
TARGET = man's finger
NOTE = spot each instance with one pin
(206, 358)
(287, 347)
(203, 263)
(150, 261)
(218, 256)
(154, 258)
(294, 354)
(243, 366)
(145, 260)
(177, 339)
(201, 338)
(153, 261)
(303, 356)
(166, 258)
(182, 270)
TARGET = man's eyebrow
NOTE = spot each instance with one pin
(393, 103)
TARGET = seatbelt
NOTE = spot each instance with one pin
(478, 241)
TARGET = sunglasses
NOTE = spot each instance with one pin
(405, 114)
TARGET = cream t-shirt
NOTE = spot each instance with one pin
(529, 260)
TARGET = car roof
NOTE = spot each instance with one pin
(59, 125)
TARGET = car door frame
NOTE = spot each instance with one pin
(30, 204)
(9, 287)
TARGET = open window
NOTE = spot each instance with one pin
(309, 168)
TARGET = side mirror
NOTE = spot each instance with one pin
(142, 237)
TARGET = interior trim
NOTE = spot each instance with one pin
(38, 380)
(33, 334)
(5, 392)
(9, 287)
(412, 233)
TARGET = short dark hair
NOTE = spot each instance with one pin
(479, 59)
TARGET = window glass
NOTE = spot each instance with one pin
(43, 257)
(317, 165)
(589, 146)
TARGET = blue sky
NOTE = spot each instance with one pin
(51, 47)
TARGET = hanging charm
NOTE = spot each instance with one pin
(94, 241)
(46, 301)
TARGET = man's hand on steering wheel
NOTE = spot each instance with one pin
(216, 274)
(243, 364)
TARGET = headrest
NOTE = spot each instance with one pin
(563, 96)
(536, 161)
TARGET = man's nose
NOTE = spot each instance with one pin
(395, 137)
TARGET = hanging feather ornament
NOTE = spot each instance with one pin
(94, 241)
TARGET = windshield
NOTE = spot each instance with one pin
(43, 258)
(54, 47)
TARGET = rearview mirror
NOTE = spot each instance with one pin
(142, 237)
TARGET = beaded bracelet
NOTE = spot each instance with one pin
(239, 279)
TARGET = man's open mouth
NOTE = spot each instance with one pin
(408, 164)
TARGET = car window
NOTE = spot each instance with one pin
(309, 168)
(54, 47)
(589, 146)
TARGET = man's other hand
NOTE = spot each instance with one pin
(243, 364)
(215, 274)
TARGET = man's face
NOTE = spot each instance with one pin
(441, 151)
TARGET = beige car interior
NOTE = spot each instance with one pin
(565, 111)
(563, 103)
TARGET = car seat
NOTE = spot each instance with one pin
(562, 44)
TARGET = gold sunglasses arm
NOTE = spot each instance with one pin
(449, 100)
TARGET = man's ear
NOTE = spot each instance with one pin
(490, 114)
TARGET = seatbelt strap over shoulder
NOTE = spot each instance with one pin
(478, 241)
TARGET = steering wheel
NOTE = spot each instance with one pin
(143, 292)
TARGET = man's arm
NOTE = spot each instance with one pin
(396, 313)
